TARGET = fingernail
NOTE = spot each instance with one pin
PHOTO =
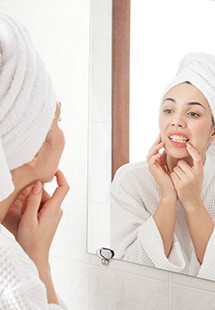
(37, 188)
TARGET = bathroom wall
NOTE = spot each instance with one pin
(60, 30)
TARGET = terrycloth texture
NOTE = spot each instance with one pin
(20, 285)
(6, 184)
(27, 101)
(199, 70)
(134, 234)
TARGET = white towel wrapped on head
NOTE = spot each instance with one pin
(199, 70)
(27, 101)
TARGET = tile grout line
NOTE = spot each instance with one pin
(170, 290)
(184, 286)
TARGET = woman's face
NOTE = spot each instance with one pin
(185, 116)
(51, 151)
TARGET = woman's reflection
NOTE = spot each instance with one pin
(163, 210)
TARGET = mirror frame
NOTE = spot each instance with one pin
(120, 82)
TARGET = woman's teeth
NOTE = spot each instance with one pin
(179, 139)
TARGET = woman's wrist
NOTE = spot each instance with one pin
(46, 277)
(43, 267)
(193, 206)
(168, 199)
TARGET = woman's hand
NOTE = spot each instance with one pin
(165, 213)
(40, 219)
(188, 183)
(12, 219)
(188, 180)
(157, 167)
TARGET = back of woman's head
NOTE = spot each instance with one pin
(27, 101)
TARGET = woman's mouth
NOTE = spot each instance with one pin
(178, 139)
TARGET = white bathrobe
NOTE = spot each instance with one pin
(134, 234)
(20, 285)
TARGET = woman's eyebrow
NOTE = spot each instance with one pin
(196, 103)
(188, 103)
(170, 99)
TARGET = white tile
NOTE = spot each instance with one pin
(11, 3)
(64, 45)
(99, 162)
(56, 19)
(31, 3)
(193, 282)
(99, 180)
(16, 12)
(100, 86)
(71, 281)
(98, 226)
(133, 269)
(101, 18)
(120, 291)
(188, 299)
(70, 239)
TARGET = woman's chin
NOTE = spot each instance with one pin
(50, 180)
(177, 153)
(49, 176)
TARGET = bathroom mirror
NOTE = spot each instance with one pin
(161, 32)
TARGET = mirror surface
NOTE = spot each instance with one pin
(161, 33)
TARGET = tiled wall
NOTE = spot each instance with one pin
(60, 30)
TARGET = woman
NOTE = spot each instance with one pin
(31, 144)
(163, 210)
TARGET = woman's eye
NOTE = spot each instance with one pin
(168, 111)
(193, 114)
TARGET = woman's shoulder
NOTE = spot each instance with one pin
(19, 278)
(13, 256)
(132, 171)
(132, 166)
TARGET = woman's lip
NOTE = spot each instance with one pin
(176, 133)
(178, 144)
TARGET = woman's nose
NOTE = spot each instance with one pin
(178, 121)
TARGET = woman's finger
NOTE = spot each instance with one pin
(156, 163)
(185, 167)
(154, 149)
(60, 192)
(158, 139)
(197, 160)
(45, 196)
(179, 173)
(33, 202)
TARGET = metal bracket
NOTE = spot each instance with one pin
(105, 254)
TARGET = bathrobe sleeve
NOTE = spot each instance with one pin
(134, 234)
(207, 269)
(20, 285)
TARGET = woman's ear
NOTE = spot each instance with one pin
(212, 137)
